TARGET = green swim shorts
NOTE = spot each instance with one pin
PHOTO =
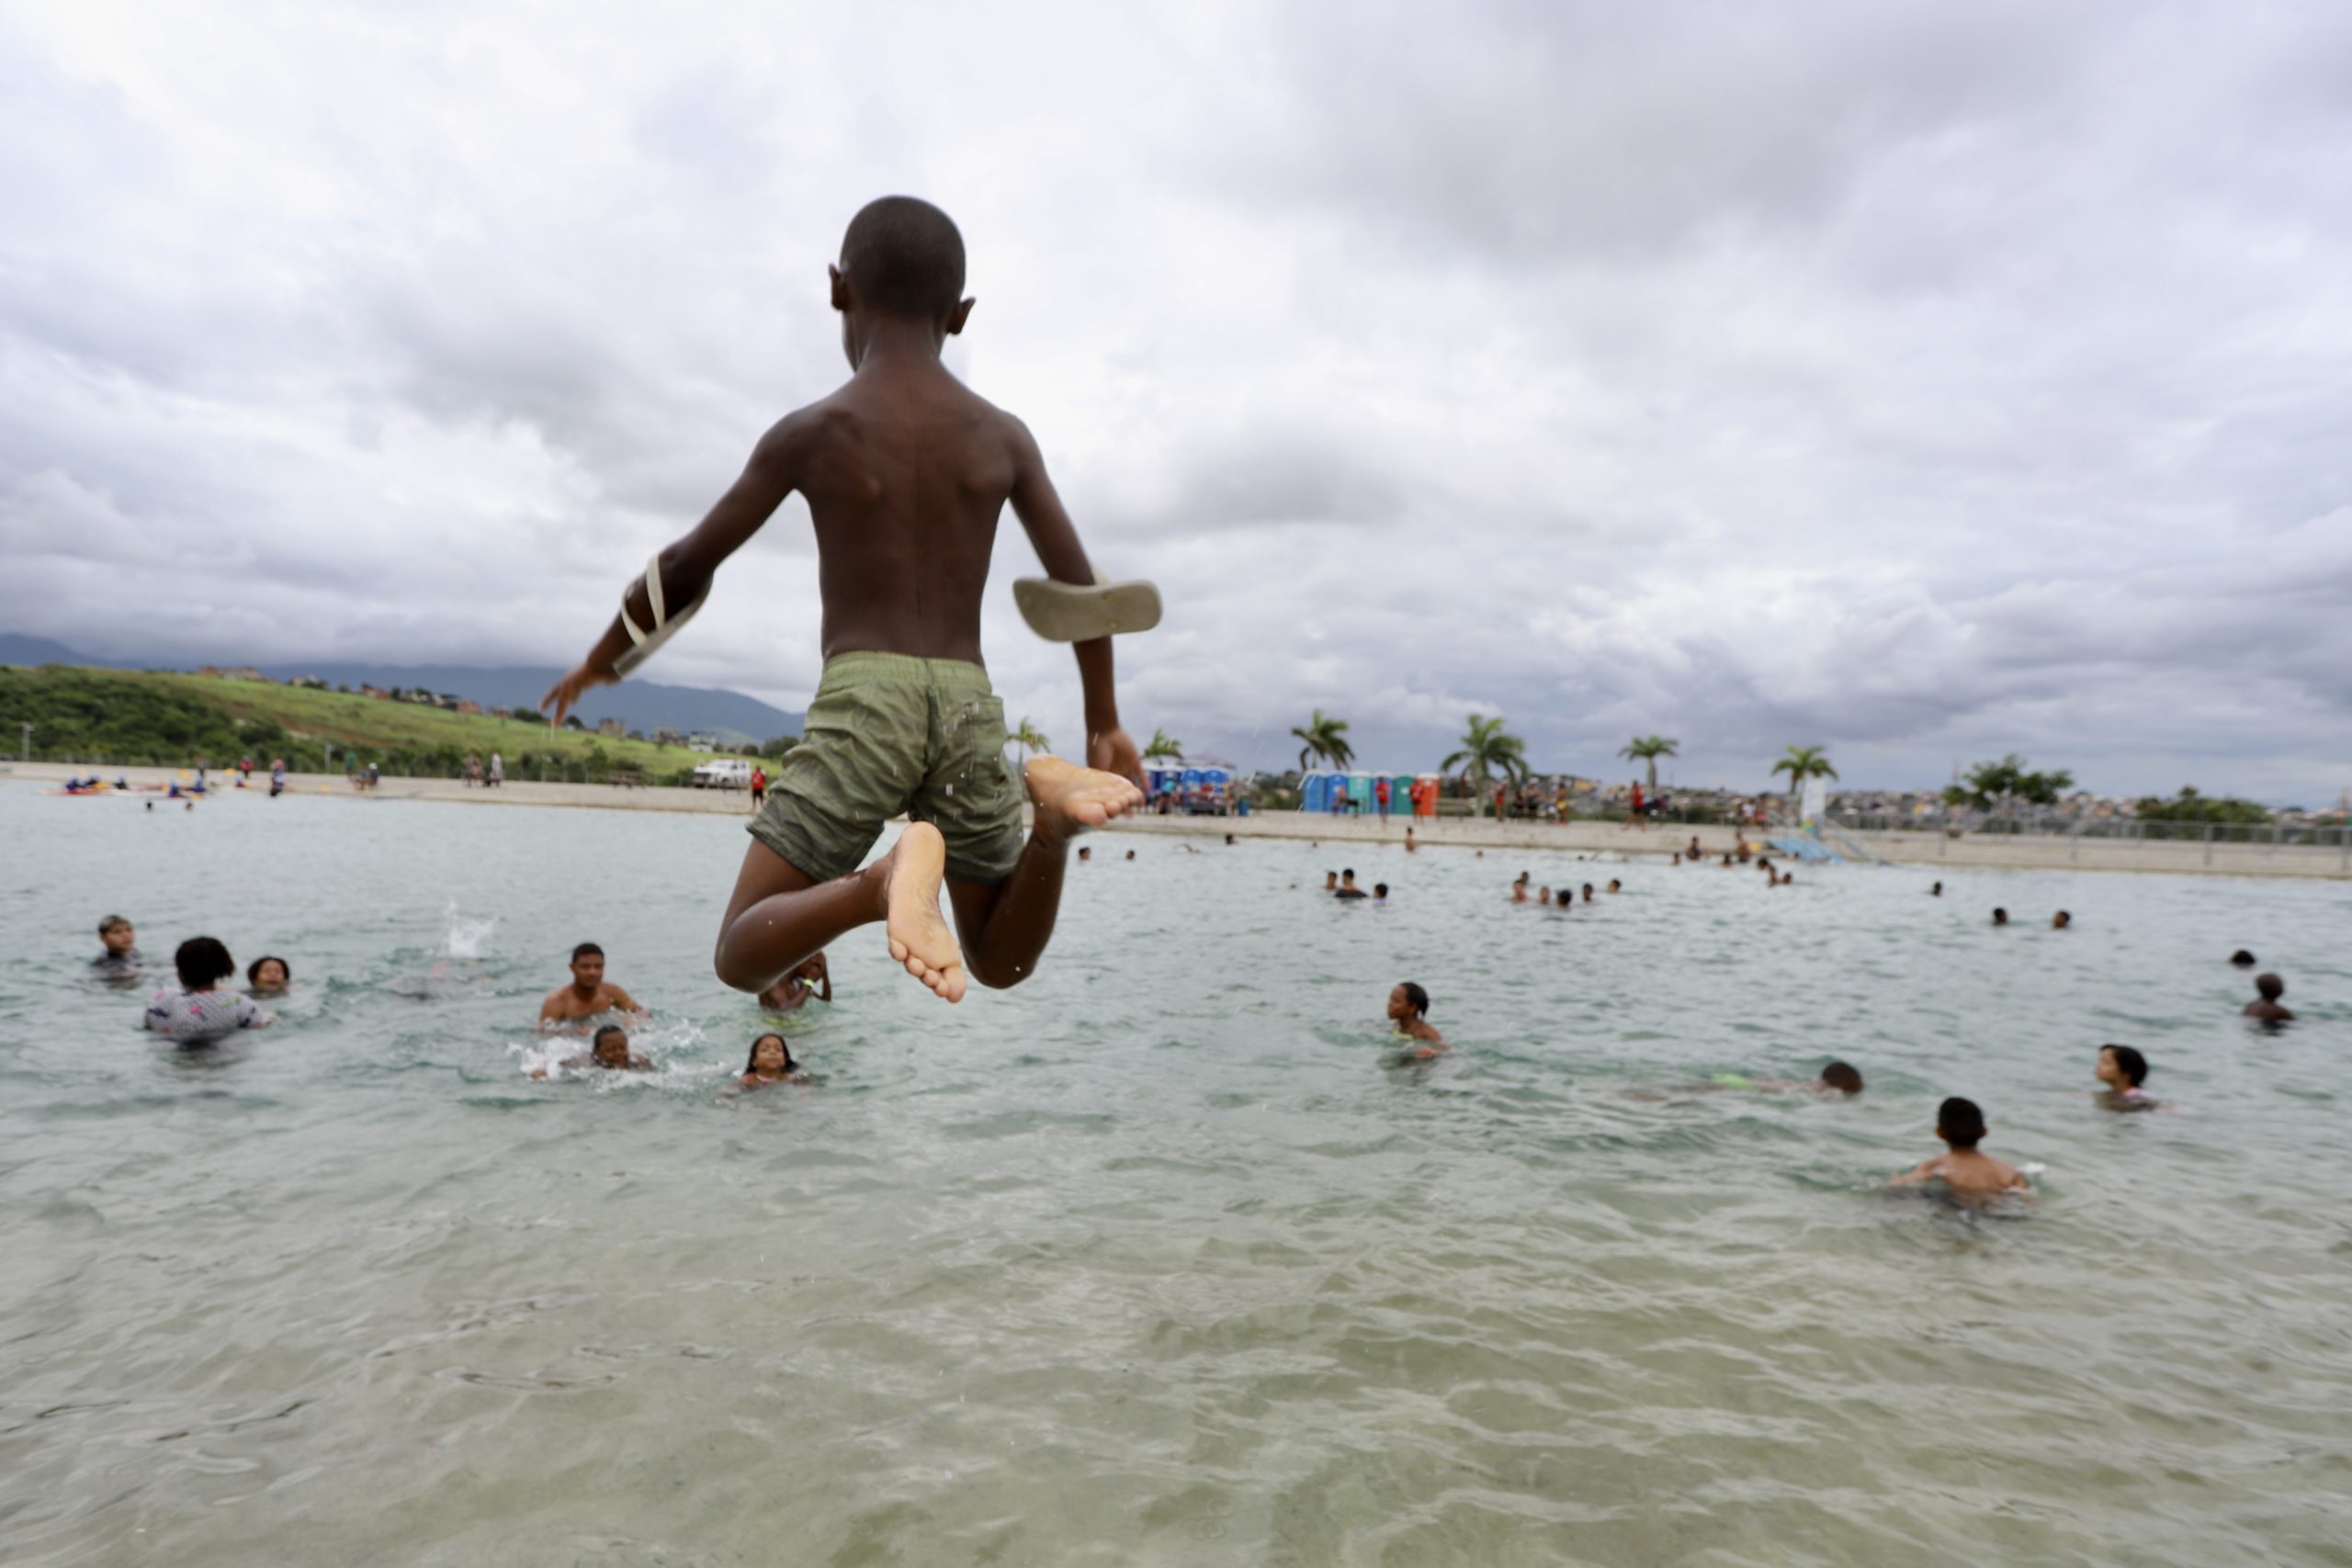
(888, 733)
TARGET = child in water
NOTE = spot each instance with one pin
(609, 1050)
(268, 976)
(2265, 1008)
(1967, 1175)
(121, 948)
(771, 1062)
(906, 471)
(1409, 1007)
(200, 1012)
(1837, 1077)
(2123, 1069)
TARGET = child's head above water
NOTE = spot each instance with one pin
(1413, 1001)
(1960, 1124)
(203, 962)
(116, 932)
(268, 974)
(2242, 958)
(610, 1048)
(771, 1057)
(1841, 1077)
(2271, 987)
(2121, 1068)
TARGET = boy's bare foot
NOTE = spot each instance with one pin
(1071, 799)
(918, 938)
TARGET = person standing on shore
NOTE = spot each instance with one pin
(1380, 797)
(497, 770)
(759, 787)
(1634, 810)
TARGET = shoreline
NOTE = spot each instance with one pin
(1924, 851)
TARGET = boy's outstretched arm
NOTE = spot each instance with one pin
(1108, 746)
(689, 564)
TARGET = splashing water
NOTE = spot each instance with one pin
(466, 937)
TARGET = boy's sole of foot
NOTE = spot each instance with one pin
(1075, 798)
(918, 936)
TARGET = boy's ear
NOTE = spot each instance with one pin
(843, 299)
(958, 316)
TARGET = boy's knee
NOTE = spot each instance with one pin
(995, 977)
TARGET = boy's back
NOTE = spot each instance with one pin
(906, 471)
(1969, 1174)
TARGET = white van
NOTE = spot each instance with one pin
(723, 772)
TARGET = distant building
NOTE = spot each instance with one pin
(466, 706)
(308, 683)
(668, 737)
(501, 713)
(377, 692)
(612, 727)
(701, 743)
(234, 672)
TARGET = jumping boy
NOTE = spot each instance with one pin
(1965, 1172)
(906, 472)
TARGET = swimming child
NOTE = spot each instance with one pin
(2242, 959)
(588, 994)
(1966, 1174)
(792, 992)
(2060, 921)
(1588, 892)
(121, 955)
(609, 1050)
(2265, 1008)
(1330, 879)
(1937, 891)
(1409, 1007)
(200, 1012)
(1836, 1078)
(1615, 885)
(268, 977)
(2000, 916)
(1347, 888)
(906, 472)
(2123, 1069)
(771, 1062)
(1380, 893)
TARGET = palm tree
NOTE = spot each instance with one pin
(1487, 750)
(1325, 737)
(1649, 749)
(1802, 762)
(1029, 737)
(1163, 745)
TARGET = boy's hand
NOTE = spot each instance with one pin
(1114, 752)
(565, 695)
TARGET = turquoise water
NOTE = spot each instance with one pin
(1155, 1260)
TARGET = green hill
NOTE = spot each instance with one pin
(150, 718)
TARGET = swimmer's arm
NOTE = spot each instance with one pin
(1928, 1171)
(1055, 539)
(624, 1001)
(689, 564)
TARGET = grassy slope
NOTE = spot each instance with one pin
(412, 726)
(140, 726)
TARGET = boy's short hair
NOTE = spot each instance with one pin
(112, 923)
(598, 1038)
(1348, 874)
(586, 949)
(904, 257)
(2132, 1065)
(1842, 1078)
(2242, 958)
(1418, 998)
(1380, 889)
(2271, 987)
(1960, 1122)
(203, 961)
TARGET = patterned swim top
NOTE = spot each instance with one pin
(197, 1017)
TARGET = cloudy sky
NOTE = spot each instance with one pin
(1927, 382)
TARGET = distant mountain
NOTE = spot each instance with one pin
(731, 717)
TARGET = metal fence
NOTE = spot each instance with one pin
(2273, 834)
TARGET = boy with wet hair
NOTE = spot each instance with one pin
(608, 1050)
(1409, 1007)
(121, 955)
(2123, 1069)
(1348, 888)
(906, 472)
(1965, 1172)
(2265, 1008)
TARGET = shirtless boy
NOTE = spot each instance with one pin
(1409, 1007)
(609, 1050)
(792, 992)
(2265, 1008)
(1967, 1173)
(906, 471)
(588, 994)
